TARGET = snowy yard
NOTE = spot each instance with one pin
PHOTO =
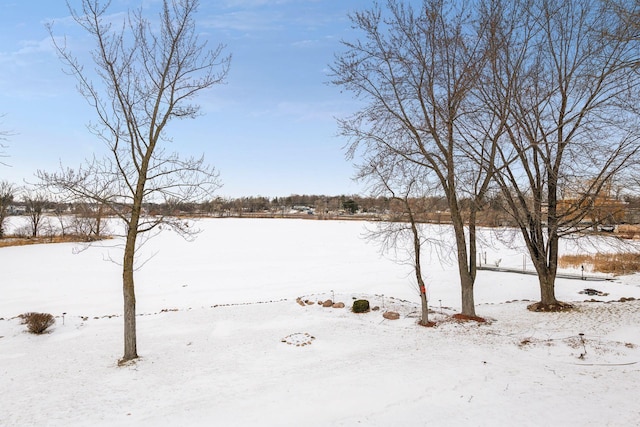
(214, 314)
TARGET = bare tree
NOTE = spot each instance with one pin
(92, 194)
(89, 221)
(35, 202)
(418, 70)
(62, 214)
(404, 183)
(148, 76)
(571, 94)
(7, 194)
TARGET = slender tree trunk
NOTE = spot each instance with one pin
(128, 289)
(424, 320)
(473, 268)
(99, 221)
(35, 224)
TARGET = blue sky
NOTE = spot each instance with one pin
(270, 130)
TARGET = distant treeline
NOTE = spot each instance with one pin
(427, 209)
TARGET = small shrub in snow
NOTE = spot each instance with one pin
(37, 323)
(360, 306)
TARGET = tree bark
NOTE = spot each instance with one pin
(424, 320)
(128, 290)
(464, 270)
(128, 287)
(547, 289)
(546, 270)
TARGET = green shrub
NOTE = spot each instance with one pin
(37, 323)
(360, 306)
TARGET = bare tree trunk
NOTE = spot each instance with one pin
(424, 319)
(547, 289)
(546, 270)
(468, 302)
(128, 287)
(128, 290)
(471, 263)
(464, 269)
(98, 217)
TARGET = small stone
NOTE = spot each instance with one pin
(376, 308)
(327, 303)
(338, 305)
(308, 302)
(299, 301)
(391, 315)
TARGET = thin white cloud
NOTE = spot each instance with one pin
(243, 21)
(253, 3)
(302, 44)
(30, 47)
(28, 52)
(267, 15)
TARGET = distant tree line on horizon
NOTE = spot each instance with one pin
(607, 210)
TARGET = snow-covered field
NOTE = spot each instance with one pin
(214, 314)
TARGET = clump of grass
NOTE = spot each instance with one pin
(616, 264)
(37, 323)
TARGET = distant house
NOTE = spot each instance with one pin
(17, 209)
(303, 209)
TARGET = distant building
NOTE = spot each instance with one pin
(17, 209)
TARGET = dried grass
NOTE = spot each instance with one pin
(616, 264)
(21, 241)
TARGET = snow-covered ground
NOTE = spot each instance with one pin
(219, 324)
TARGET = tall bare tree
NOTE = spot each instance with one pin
(148, 76)
(417, 71)
(566, 72)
